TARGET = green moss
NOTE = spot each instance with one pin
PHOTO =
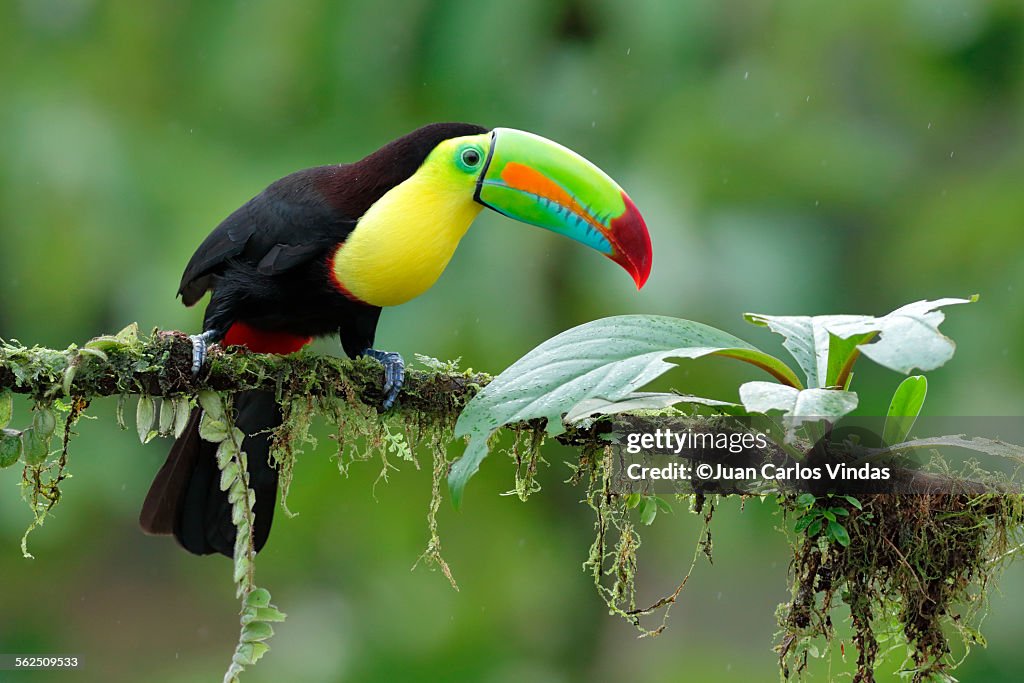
(915, 572)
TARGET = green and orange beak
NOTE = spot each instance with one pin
(537, 181)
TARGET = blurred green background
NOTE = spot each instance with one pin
(797, 157)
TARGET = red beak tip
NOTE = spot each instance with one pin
(633, 242)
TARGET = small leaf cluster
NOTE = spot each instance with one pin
(31, 445)
(257, 613)
(648, 506)
(819, 517)
(173, 417)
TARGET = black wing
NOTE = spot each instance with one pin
(288, 224)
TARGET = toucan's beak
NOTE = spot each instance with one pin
(537, 181)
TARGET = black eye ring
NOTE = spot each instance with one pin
(470, 157)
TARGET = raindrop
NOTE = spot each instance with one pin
(951, 154)
(929, 125)
(593, 124)
(628, 50)
(808, 99)
(746, 75)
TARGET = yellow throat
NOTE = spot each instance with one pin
(402, 244)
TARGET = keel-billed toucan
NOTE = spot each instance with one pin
(322, 250)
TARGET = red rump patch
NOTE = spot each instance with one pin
(262, 341)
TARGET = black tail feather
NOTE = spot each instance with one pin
(185, 499)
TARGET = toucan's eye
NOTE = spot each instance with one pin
(470, 157)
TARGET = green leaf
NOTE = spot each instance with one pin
(35, 447)
(269, 614)
(904, 408)
(243, 565)
(977, 443)
(212, 429)
(145, 414)
(129, 334)
(121, 401)
(799, 405)
(640, 400)
(248, 654)
(226, 450)
(96, 353)
(10, 447)
(44, 421)
(98, 345)
(69, 378)
(840, 512)
(228, 474)
(799, 339)
(182, 413)
(808, 340)
(166, 416)
(853, 501)
(211, 403)
(805, 500)
(607, 359)
(814, 527)
(842, 353)
(258, 597)
(662, 504)
(825, 346)
(6, 408)
(632, 500)
(804, 522)
(837, 532)
(908, 338)
(648, 511)
(256, 631)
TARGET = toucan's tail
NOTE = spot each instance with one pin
(185, 498)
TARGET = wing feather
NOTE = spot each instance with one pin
(287, 225)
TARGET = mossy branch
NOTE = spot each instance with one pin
(160, 365)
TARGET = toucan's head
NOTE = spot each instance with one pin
(537, 181)
(417, 196)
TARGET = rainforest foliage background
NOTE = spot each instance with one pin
(797, 157)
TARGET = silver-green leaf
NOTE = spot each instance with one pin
(145, 414)
(606, 359)
(6, 408)
(799, 406)
(639, 400)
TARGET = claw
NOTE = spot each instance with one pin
(394, 374)
(199, 344)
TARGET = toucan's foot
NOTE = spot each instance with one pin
(394, 373)
(199, 344)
